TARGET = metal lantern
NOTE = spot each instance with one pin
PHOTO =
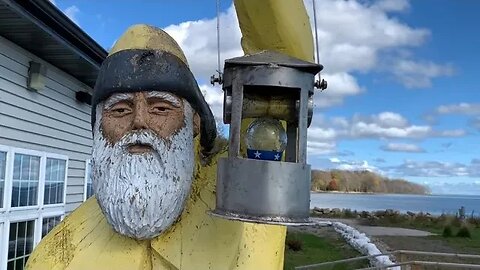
(271, 87)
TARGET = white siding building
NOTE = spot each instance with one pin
(48, 67)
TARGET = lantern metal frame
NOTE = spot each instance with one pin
(267, 84)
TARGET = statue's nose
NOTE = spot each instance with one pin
(140, 119)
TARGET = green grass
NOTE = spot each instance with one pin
(462, 244)
(317, 250)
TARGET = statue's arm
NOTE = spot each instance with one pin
(281, 26)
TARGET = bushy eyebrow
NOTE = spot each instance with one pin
(165, 96)
(115, 98)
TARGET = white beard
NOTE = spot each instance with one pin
(142, 195)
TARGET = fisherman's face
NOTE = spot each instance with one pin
(160, 112)
(143, 160)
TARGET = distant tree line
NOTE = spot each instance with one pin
(362, 181)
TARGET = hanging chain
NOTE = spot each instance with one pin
(218, 79)
(320, 83)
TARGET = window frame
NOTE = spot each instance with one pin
(3, 244)
(61, 157)
(4, 204)
(41, 175)
(85, 181)
(38, 212)
(49, 215)
(34, 240)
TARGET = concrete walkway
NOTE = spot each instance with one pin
(390, 231)
(377, 230)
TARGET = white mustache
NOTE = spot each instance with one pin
(139, 137)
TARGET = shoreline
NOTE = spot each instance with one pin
(372, 193)
(382, 193)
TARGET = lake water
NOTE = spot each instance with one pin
(433, 204)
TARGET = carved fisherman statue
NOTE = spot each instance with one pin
(152, 133)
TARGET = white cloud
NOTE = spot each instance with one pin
(436, 169)
(321, 148)
(460, 108)
(339, 122)
(351, 165)
(357, 166)
(334, 160)
(392, 5)
(402, 147)
(322, 134)
(72, 13)
(384, 125)
(356, 35)
(369, 130)
(340, 86)
(392, 125)
(455, 188)
(463, 108)
(197, 39)
(352, 36)
(214, 97)
(390, 119)
(414, 74)
(452, 133)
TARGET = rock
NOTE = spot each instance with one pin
(319, 211)
(410, 213)
(336, 211)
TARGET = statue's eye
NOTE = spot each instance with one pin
(120, 110)
(161, 108)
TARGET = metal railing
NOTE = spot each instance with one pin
(407, 264)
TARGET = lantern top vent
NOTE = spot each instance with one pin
(273, 58)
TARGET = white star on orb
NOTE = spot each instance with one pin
(257, 154)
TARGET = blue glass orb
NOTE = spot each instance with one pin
(266, 134)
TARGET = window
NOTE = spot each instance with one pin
(32, 201)
(2, 232)
(26, 175)
(88, 179)
(54, 181)
(3, 168)
(20, 243)
(49, 223)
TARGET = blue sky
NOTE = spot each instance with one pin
(403, 97)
